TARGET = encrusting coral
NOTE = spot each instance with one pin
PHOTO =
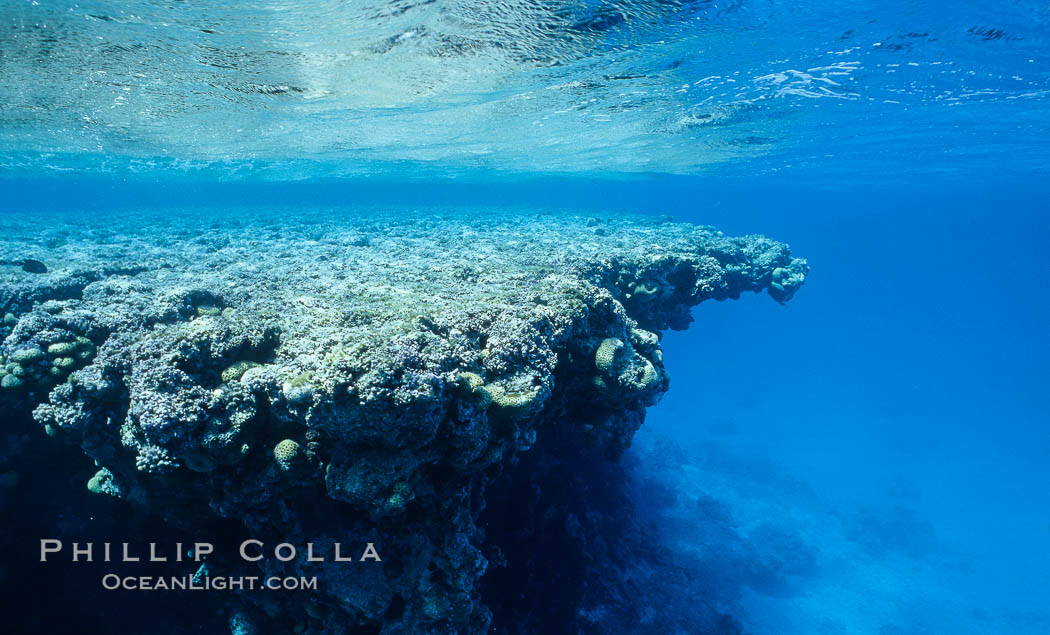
(363, 375)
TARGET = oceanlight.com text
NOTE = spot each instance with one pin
(114, 582)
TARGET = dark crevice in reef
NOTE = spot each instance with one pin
(571, 552)
(43, 494)
(453, 389)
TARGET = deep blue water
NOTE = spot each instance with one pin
(873, 457)
(894, 419)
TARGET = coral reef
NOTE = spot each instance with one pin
(313, 376)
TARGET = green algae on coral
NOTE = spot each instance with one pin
(473, 385)
(24, 356)
(508, 406)
(237, 370)
(286, 454)
(64, 363)
(401, 494)
(102, 483)
(605, 355)
(61, 349)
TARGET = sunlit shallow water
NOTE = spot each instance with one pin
(302, 89)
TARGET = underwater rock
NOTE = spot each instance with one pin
(33, 266)
(312, 376)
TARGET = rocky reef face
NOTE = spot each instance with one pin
(318, 378)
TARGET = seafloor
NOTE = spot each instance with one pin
(383, 377)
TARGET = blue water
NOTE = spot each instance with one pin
(283, 89)
(893, 420)
(873, 457)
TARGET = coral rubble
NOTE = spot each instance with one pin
(317, 376)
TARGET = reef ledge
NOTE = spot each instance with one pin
(317, 375)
